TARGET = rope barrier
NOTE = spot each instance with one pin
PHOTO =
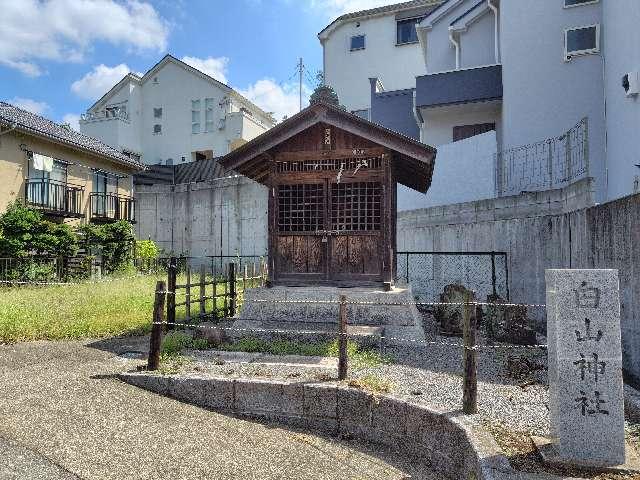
(382, 304)
(353, 334)
(68, 284)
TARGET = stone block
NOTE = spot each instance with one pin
(218, 394)
(293, 399)
(354, 411)
(211, 332)
(320, 407)
(586, 399)
(190, 390)
(389, 415)
(258, 396)
(509, 324)
(451, 317)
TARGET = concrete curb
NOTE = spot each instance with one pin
(450, 443)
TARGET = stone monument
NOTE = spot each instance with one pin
(586, 400)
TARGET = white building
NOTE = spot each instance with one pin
(380, 42)
(174, 113)
(504, 92)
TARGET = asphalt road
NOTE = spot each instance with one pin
(63, 416)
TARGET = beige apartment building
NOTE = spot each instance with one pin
(67, 175)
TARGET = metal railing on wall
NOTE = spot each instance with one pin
(552, 163)
(487, 273)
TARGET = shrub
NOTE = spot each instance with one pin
(146, 251)
(115, 241)
(24, 232)
(174, 343)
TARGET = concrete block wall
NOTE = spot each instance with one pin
(451, 444)
(222, 217)
(554, 229)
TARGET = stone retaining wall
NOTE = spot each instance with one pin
(451, 444)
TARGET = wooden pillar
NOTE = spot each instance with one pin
(387, 242)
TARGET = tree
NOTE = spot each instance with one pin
(324, 93)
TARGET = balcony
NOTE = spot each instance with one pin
(109, 207)
(481, 84)
(54, 197)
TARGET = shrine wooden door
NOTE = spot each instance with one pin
(329, 231)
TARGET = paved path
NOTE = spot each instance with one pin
(63, 417)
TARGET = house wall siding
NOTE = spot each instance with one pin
(622, 51)
(348, 72)
(14, 168)
(543, 95)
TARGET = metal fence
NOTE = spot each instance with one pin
(429, 272)
(551, 163)
(35, 269)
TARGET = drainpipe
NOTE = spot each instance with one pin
(414, 110)
(456, 44)
(494, 9)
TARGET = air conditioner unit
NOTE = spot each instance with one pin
(631, 83)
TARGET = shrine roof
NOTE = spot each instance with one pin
(413, 161)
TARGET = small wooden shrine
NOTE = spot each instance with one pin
(332, 181)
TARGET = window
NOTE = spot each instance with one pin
(104, 182)
(157, 129)
(406, 31)
(357, 42)
(581, 41)
(467, 131)
(362, 113)
(195, 116)
(301, 208)
(157, 112)
(577, 3)
(208, 114)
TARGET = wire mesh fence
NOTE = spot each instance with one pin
(37, 269)
(428, 273)
(551, 163)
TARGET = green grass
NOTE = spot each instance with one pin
(86, 310)
(120, 306)
(359, 357)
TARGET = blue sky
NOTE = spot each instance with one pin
(80, 48)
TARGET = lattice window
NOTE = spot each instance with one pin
(356, 206)
(346, 164)
(301, 208)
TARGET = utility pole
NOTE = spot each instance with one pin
(300, 69)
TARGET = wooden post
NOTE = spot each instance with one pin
(156, 329)
(203, 302)
(253, 274)
(233, 296)
(225, 280)
(470, 360)
(187, 307)
(171, 293)
(342, 339)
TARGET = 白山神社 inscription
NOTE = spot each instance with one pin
(585, 366)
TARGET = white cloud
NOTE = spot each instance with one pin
(63, 30)
(73, 120)
(30, 105)
(99, 81)
(334, 8)
(214, 67)
(280, 99)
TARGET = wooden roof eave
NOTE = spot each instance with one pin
(413, 161)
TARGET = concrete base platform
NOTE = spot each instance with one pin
(371, 312)
(551, 456)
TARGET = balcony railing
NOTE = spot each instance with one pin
(552, 163)
(54, 197)
(109, 207)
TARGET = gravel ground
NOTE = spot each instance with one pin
(510, 391)
(63, 416)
